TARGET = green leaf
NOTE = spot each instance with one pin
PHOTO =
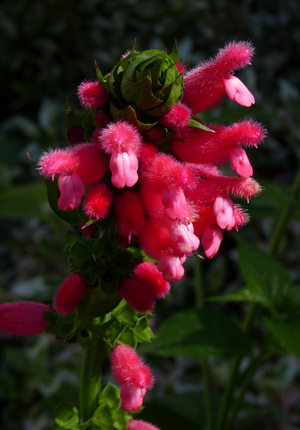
(67, 416)
(196, 124)
(287, 332)
(268, 282)
(129, 114)
(198, 333)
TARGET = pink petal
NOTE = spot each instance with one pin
(223, 210)
(237, 91)
(240, 163)
(211, 240)
(71, 191)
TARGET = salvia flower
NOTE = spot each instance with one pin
(140, 425)
(69, 294)
(23, 318)
(151, 170)
(132, 374)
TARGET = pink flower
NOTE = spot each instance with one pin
(121, 140)
(97, 201)
(92, 95)
(23, 318)
(239, 162)
(177, 118)
(71, 191)
(69, 294)
(171, 268)
(183, 235)
(136, 294)
(211, 240)
(205, 84)
(237, 91)
(130, 214)
(223, 209)
(140, 425)
(151, 277)
(134, 376)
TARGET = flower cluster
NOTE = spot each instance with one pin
(139, 158)
(156, 169)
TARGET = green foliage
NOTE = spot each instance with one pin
(198, 333)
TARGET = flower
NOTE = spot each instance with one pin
(69, 294)
(23, 318)
(134, 376)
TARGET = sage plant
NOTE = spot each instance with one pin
(140, 184)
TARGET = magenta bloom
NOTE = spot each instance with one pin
(69, 294)
(140, 425)
(121, 140)
(205, 84)
(134, 376)
(23, 318)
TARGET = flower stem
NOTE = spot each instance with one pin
(203, 361)
(90, 378)
(273, 250)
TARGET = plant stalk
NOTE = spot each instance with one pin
(203, 361)
(90, 378)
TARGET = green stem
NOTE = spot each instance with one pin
(203, 361)
(256, 363)
(90, 378)
(250, 315)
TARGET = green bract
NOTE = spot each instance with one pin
(144, 86)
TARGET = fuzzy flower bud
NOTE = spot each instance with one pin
(140, 425)
(134, 376)
(92, 95)
(136, 294)
(23, 318)
(151, 277)
(69, 294)
(97, 201)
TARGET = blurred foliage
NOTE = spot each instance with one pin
(47, 49)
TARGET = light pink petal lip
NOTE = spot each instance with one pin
(238, 92)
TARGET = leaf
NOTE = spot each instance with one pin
(67, 416)
(287, 333)
(196, 124)
(198, 333)
(268, 282)
(175, 411)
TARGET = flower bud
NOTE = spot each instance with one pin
(23, 318)
(69, 294)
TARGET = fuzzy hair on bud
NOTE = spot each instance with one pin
(92, 95)
(97, 201)
(69, 294)
(204, 85)
(120, 137)
(86, 160)
(128, 368)
(140, 425)
(136, 294)
(130, 213)
(151, 277)
(23, 318)
(177, 118)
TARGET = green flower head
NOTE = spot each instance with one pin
(144, 86)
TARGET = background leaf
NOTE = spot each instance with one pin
(198, 333)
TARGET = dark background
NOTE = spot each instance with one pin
(47, 48)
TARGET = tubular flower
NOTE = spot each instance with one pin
(149, 171)
(134, 376)
(140, 425)
(23, 318)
